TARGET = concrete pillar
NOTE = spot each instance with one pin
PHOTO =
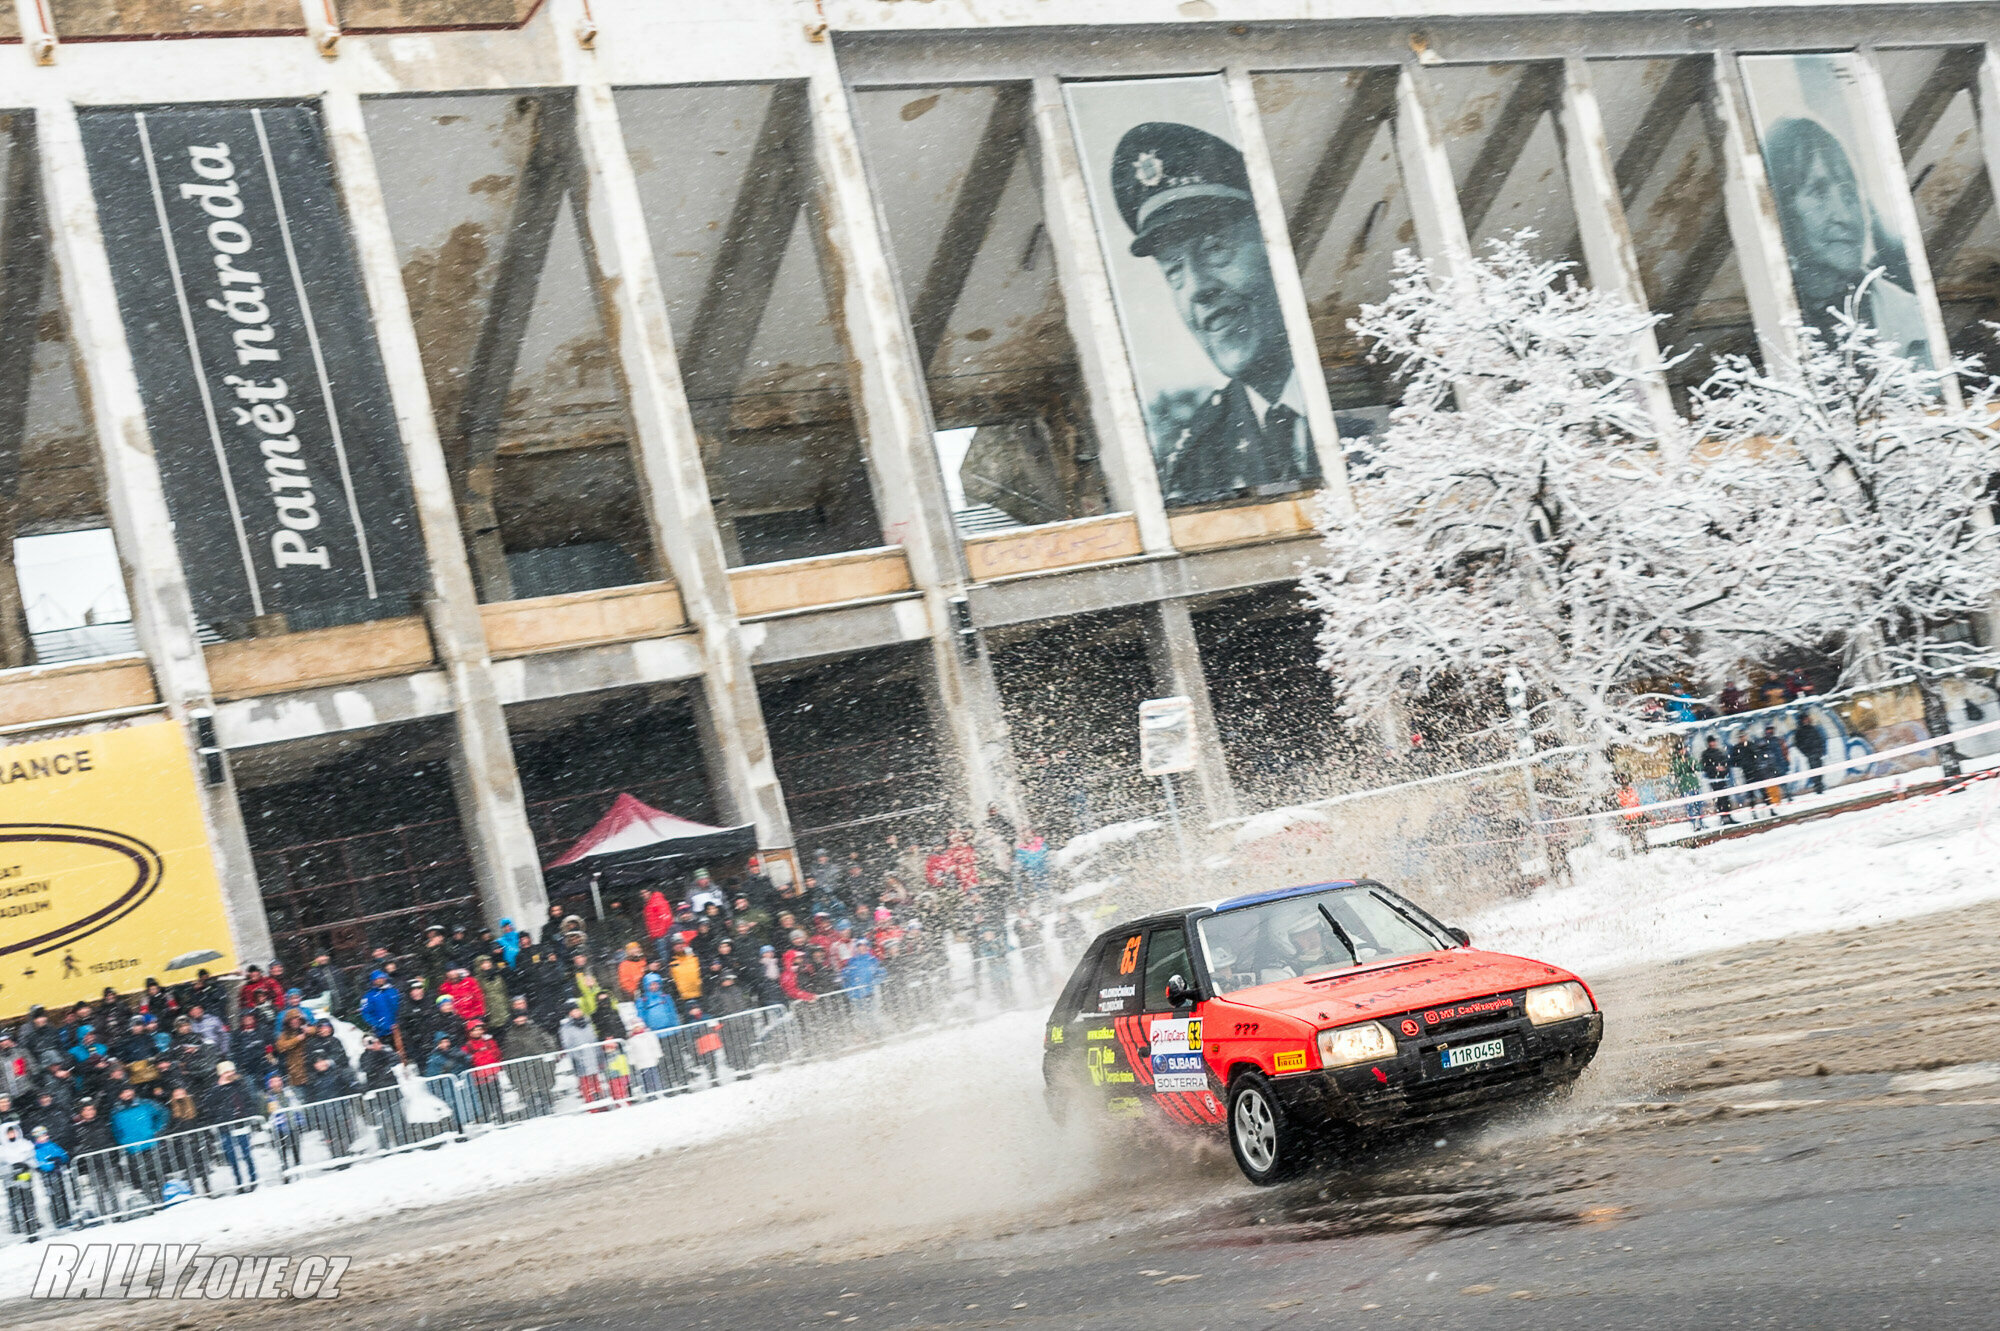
(1606, 235)
(667, 455)
(162, 609)
(1115, 411)
(1291, 289)
(1753, 218)
(1177, 670)
(490, 806)
(1986, 108)
(895, 422)
(1427, 178)
(1879, 123)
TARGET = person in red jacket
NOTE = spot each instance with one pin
(956, 865)
(466, 998)
(659, 918)
(788, 978)
(484, 1051)
(259, 988)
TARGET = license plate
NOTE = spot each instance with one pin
(1466, 1055)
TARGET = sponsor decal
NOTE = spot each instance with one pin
(1125, 1106)
(1179, 1072)
(1410, 1026)
(1176, 1035)
(1118, 991)
(1055, 1035)
(1291, 1060)
(1473, 1009)
(1098, 1060)
(1100, 1033)
(1176, 1055)
(1118, 1078)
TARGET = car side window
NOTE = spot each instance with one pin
(1077, 997)
(1118, 976)
(1166, 957)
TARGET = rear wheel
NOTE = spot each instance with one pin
(1269, 1147)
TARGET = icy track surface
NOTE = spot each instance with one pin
(1863, 868)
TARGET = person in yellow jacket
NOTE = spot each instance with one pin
(685, 971)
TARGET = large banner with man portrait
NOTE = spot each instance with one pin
(1841, 197)
(1193, 286)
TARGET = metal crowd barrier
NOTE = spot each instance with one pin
(300, 1138)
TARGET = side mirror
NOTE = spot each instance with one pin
(1178, 993)
(1464, 938)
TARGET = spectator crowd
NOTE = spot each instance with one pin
(645, 993)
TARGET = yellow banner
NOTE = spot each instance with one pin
(105, 875)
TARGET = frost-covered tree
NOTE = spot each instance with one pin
(1519, 509)
(1866, 483)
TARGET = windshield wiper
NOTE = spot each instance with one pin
(1415, 923)
(1353, 957)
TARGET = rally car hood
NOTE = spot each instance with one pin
(1389, 987)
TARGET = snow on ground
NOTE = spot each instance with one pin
(530, 1152)
(1928, 854)
(1861, 868)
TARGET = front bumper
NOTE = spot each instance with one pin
(1413, 1086)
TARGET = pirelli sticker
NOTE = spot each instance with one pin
(1290, 1060)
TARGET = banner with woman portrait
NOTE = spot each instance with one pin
(1841, 196)
(1192, 282)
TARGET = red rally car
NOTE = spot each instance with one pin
(1294, 1014)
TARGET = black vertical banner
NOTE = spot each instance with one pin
(263, 384)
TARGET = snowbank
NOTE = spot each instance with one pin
(1890, 862)
(1078, 849)
(537, 1150)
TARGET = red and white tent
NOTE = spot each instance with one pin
(633, 841)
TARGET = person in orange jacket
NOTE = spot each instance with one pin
(631, 969)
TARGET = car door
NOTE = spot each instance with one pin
(1096, 1053)
(1175, 1072)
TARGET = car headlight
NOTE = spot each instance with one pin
(1355, 1044)
(1557, 1002)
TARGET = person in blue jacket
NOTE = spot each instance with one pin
(656, 1003)
(137, 1123)
(862, 971)
(381, 1005)
(52, 1162)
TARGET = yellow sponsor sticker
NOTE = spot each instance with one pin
(1291, 1060)
(1055, 1035)
(1101, 1033)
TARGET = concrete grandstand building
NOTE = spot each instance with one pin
(763, 409)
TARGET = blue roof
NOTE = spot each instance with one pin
(1259, 898)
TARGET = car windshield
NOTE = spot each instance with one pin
(1311, 935)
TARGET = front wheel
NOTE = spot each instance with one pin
(1269, 1147)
